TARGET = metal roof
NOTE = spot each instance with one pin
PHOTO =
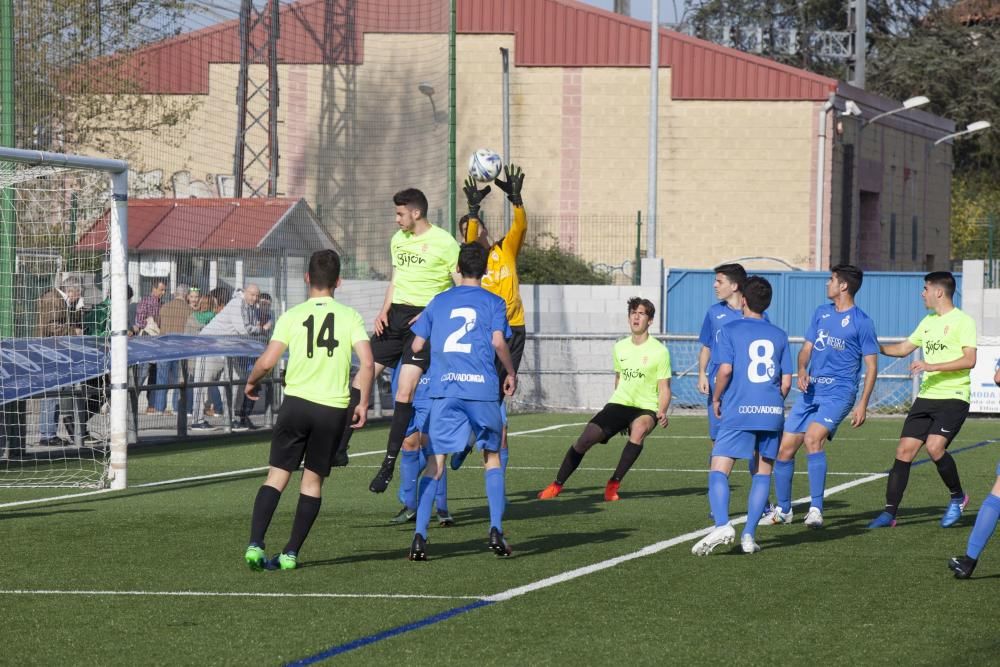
(547, 33)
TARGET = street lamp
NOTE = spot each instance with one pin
(911, 103)
(428, 90)
(969, 129)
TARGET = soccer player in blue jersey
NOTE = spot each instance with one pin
(466, 327)
(413, 458)
(840, 337)
(986, 523)
(754, 376)
(729, 279)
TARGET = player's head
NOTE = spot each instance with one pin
(463, 226)
(844, 277)
(729, 279)
(640, 314)
(939, 287)
(757, 294)
(324, 270)
(472, 260)
(411, 206)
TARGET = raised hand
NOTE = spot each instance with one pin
(474, 196)
(512, 186)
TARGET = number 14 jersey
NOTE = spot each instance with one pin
(320, 334)
(758, 352)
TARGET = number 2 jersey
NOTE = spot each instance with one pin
(320, 334)
(759, 354)
(459, 323)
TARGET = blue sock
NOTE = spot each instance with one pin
(495, 496)
(986, 522)
(441, 498)
(759, 487)
(427, 489)
(409, 470)
(783, 471)
(817, 478)
(718, 497)
(504, 455)
(422, 462)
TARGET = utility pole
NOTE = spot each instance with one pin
(857, 21)
(257, 100)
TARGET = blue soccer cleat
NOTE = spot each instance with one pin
(954, 511)
(458, 459)
(883, 520)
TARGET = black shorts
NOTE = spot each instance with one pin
(516, 346)
(393, 344)
(309, 429)
(615, 417)
(935, 416)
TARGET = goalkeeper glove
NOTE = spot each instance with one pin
(474, 196)
(512, 186)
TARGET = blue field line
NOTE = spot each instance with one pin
(392, 632)
(445, 615)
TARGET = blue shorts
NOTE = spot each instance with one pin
(827, 411)
(418, 422)
(452, 420)
(742, 444)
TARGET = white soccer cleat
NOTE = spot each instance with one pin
(814, 518)
(719, 536)
(776, 516)
(748, 545)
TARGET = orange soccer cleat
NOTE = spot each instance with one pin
(550, 491)
(611, 491)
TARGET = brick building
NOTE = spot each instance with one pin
(755, 158)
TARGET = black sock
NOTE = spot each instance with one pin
(949, 475)
(629, 454)
(569, 464)
(263, 509)
(340, 457)
(305, 515)
(898, 478)
(401, 415)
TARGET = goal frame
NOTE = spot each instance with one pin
(118, 259)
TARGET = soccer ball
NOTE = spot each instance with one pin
(485, 165)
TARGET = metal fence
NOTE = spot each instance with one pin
(574, 372)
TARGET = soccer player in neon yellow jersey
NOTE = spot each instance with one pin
(639, 403)
(424, 264)
(948, 339)
(319, 335)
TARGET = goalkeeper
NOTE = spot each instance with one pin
(500, 278)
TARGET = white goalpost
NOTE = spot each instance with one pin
(63, 320)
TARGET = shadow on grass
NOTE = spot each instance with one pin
(441, 548)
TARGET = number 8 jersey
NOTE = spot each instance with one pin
(320, 334)
(759, 354)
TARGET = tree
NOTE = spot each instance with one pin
(544, 262)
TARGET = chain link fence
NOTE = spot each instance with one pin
(575, 373)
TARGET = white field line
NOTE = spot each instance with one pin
(651, 549)
(653, 436)
(228, 594)
(221, 475)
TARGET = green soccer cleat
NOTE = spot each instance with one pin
(283, 561)
(255, 557)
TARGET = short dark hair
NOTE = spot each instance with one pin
(464, 222)
(324, 269)
(942, 279)
(636, 301)
(757, 292)
(472, 260)
(264, 296)
(222, 295)
(413, 199)
(734, 272)
(850, 274)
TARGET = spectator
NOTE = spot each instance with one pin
(173, 319)
(58, 315)
(264, 316)
(194, 296)
(237, 318)
(147, 322)
(206, 310)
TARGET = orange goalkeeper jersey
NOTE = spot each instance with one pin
(501, 267)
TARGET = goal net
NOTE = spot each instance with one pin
(59, 410)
